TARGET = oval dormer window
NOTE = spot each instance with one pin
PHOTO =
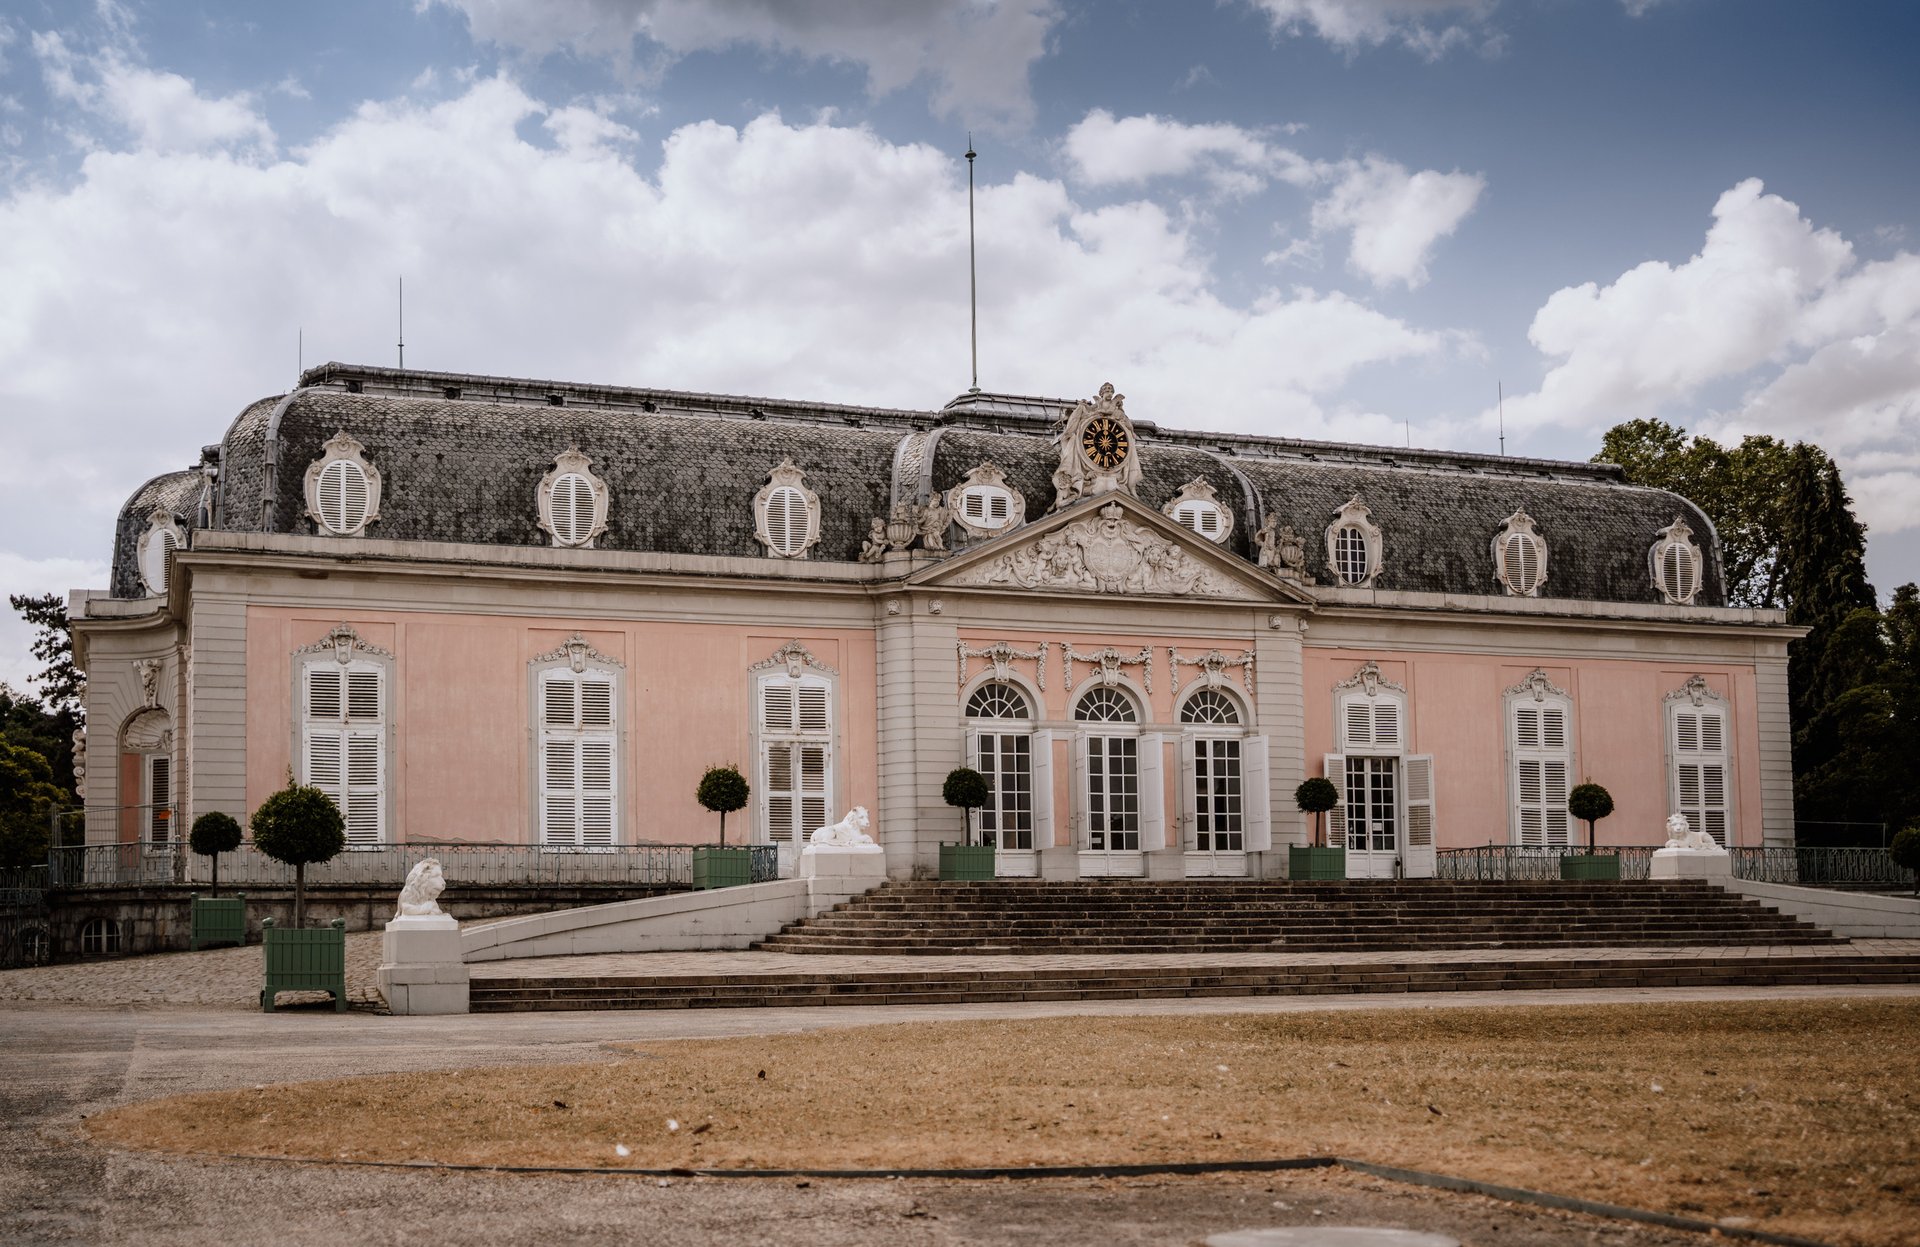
(986, 506)
(1520, 556)
(343, 497)
(572, 501)
(1350, 555)
(161, 539)
(1676, 564)
(572, 509)
(1202, 517)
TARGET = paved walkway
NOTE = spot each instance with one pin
(753, 962)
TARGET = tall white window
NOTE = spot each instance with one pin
(1540, 744)
(343, 741)
(1700, 750)
(1002, 738)
(1215, 783)
(579, 751)
(1111, 767)
(1386, 811)
(796, 754)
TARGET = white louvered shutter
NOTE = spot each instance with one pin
(1190, 795)
(344, 744)
(1152, 793)
(343, 495)
(1543, 764)
(1043, 790)
(787, 520)
(1700, 786)
(1679, 573)
(1356, 720)
(160, 799)
(1256, 787)
(796, 766)
(1081, 796)
(571, 506)
(1335, 769)
(1523, 563)
(1417, 858)
(579, 795)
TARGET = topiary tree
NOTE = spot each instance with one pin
(1316, 796)
(966, 788)
(1906, 852)
(298, 825)
(1590, 803)
(214, 833)
(723, 789)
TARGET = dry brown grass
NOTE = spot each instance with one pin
(1804, 1117)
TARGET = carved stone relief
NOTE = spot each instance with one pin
(1001, 654)
(1097, 451)
(1103, 554)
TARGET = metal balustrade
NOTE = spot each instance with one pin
(1525, 863)
(500, 865)
(1821, 868)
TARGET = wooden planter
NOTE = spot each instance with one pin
(716, 867)
(1590, 866)
(313, 959)
(1316, 863)
(966, 861)
(218, 920)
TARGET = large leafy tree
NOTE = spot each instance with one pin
(1825, 583)
(27, 798)
(1741, 488)
(59, 680)
(25, 722)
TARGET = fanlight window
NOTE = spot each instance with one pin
(986, 506)
(1210, 706)
(1676, 564)
(998, 701)
(343, 495)
(1105, 705)
(1202, 517)
(1520, 556)
(1350, 555)
(100, 937)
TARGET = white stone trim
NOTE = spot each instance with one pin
(572, 463)
(341, 448)
(162, 534)
(1676, 537)
(1519, 529)
(1355, 515)
(786, 476)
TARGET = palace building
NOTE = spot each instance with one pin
(479, 609)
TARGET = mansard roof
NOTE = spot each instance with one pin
(461, 457)
(177, 494)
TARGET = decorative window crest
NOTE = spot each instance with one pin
(1696, 690)
(162, 536)
(572, 501)
(1369, 681)
(1198, 508)
(343, 489)
(578, 653)
(1001, 654)
(1536, 686)
(1520, 556)
(1097, 454)
(1675, 563)
(796, 658)
(984, 504)
(786, 514)
(1213, 667)
(345, 645)
(1282, 552)
(1354, 545)
(1110, 661)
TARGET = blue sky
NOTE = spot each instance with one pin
(1338, 218)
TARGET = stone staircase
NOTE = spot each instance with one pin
(1190, 916)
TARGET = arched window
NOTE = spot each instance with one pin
(579, 735)
(1675, 563)
(1354, 545)
(1002, 748)
(1109, 765)
(1211, 764)
(1210, 706)
(787, 513)
(1540, 747)
(1520, 556)
(1104, 704)
(100, 937)
(343, 489)
(572, 501)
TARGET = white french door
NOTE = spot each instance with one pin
(1111, 806)
(1372, 816)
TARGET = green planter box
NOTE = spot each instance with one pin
(966, 861)
(715, 867)
(311, 959)
(218, 920)
(1313, 863)
(1590, 866)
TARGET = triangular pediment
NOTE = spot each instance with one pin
(1110, 545)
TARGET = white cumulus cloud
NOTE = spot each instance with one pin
(1430, 28)
(162, 111)
(974, 54)
(1395, 217)
(1104, 150)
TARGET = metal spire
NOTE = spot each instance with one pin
(973, 279)
(403, 322)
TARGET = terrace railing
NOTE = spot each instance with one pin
(501, 865)
(1513, 862)
(1822, 868)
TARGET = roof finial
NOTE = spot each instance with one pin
(973, 279)
(403, 322)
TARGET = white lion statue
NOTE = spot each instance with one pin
(425, 882)
(849, 833)
(1681, 835)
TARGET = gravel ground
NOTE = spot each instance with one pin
(58, 1064)
(221, 978)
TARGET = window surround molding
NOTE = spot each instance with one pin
(571, 462)
(1367, 685)
(1212, 670)
(162, 535)
(1199, 495)
(341, 448)
(1519, 528)
(1677, 539)
(1354, 515)
(1696, 694)
(1110, 664)
(346, 647)
(786, 476)
(989, 481)
(577, 655)
(1001, 655)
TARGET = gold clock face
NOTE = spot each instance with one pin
(1104, 442)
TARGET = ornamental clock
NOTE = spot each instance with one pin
(1097, 454)
(1105, 443)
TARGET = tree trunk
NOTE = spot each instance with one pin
(723, 829)
(216, 874)
(299, 895)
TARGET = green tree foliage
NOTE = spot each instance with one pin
(30, 725)
(1590, 803)
(59, 680)
(723, 789)
(28, 797)
(214, 833)
(1743, 490)
(299, 825)
(1825, 582)
(1316, 796)
(966, 788)
(1906, 852)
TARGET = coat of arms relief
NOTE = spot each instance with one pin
(1105, 553)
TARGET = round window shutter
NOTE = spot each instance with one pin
(343, 497)
(786, 520)
(570, 509)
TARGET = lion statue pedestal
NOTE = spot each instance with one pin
(844, 850)
(422, 966)
(1690, 854)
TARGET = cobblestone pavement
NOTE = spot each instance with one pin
(59, 1064)
(707, 964)
(216, 977)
